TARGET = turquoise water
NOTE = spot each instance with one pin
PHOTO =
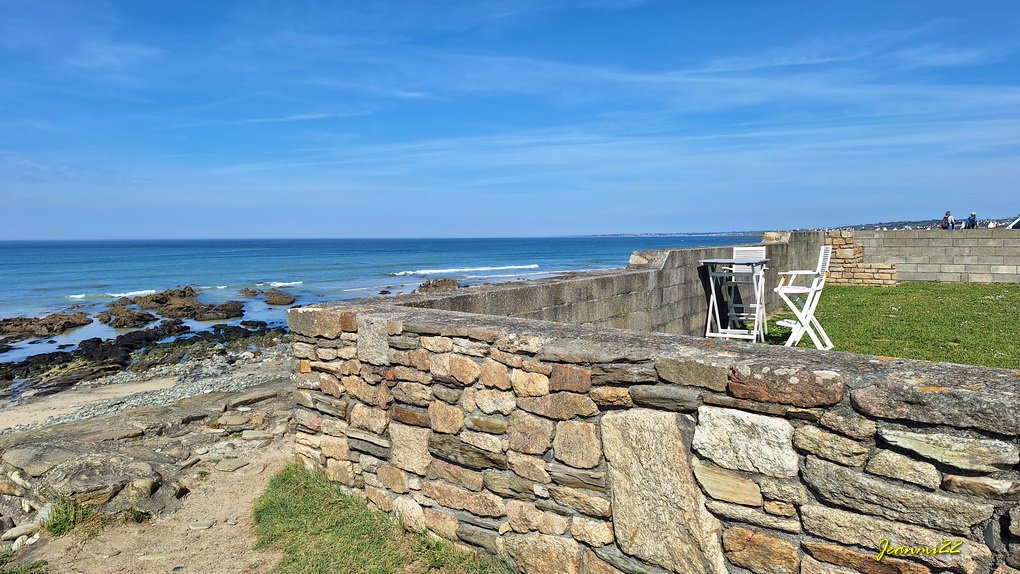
(40, 277)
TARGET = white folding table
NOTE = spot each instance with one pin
(713, 324)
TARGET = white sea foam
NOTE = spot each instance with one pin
(76, 296)
(285, 283)
(460, 270)
(536, 273)
(213, 287)
(359, 289)
(133, 293)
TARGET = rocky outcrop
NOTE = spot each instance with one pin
(18, 328)
(277, 297)
(124, 317)
(442, 285)
(183, 303)
(143, 460)
(92, 359)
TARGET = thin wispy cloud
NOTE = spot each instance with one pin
(302, 117)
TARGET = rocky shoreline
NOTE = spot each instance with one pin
(167, 342)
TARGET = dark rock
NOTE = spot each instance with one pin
(668, 397)
(441, 285)
(92, 359)
(249, 292)
(614, 556)
(124, 317)
(478, 536)
(26, 327)
(277, 297)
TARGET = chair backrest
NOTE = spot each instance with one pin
(824, 255)
(747, 253)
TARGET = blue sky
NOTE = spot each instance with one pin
(489, 118)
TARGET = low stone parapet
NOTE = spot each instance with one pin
(568, 449)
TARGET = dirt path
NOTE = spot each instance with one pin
(169, 544)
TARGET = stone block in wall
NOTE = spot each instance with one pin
(728, 486)
(983, 486)
(544, 554)
(760, 553)
(527, 384)
(453, 449)
(666, 397)
(851, 529)
(847, 488)
(570, 378)
(373, 338)
(320, 322)
(862, 561)
(746, 441)
(814, 440)
(792, 386)
(894, 465)
(530, 467)
(478, 503)
(982, 455)
(495, 374)
(530, 434)
(582, 500)
(524, 517)
(576, 478)
(852, 426)
(995, 411)
(410, 448)
(559, 406)
(650, 471)
(611, 396)
(577, 444)
(754, 516)
(692, 373)
(491, 401)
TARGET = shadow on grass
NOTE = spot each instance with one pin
(320, 529)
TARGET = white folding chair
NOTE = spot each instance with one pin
(803, 300)
(749, 276)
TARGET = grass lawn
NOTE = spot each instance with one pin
(322, 530)
(948, 322)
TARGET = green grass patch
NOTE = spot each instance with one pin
(320, 529)
(946, 322)
(67, 514)
(36, 567)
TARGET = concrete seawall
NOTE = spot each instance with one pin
(961, 256)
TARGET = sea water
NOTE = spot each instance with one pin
(41, 277)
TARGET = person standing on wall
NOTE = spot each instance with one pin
(971, 221)
(948, 222)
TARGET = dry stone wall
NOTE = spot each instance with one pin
(570, 449)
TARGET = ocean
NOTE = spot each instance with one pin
(41, 277)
